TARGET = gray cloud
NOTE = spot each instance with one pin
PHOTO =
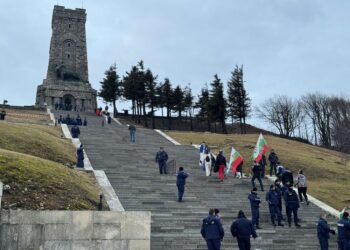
(287, 47)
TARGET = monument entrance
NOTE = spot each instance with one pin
(67, 85)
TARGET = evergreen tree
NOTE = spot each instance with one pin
(111, 87)
(188, 104)
(238, 101)
(203, 106)
(217, 102)
(178, 100)
(151, 89)
(167, 94)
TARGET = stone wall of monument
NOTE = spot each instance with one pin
(66, 230)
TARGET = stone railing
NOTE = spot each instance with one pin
(98, 230)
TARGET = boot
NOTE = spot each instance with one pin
(280, 224)
(297, 225)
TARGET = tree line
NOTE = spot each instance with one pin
(320, 118)
(148, 94)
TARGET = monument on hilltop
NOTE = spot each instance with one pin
(67, 83)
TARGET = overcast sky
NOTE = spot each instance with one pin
(287, 47)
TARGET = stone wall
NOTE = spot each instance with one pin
(75, 230)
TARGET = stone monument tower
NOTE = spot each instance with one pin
(67, 82)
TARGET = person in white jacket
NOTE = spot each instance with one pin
(207, 163)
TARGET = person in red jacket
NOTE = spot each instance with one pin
(221, 163)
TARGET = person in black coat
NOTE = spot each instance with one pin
(256, 171)
(212, 231)
(272, 197)
(292, 205)
(80, 156)
(273, 159)
(181, 182)
(344, 232)
(323, 231)
(75, 131)
(255, 205)
(262, 164)
(242, 229)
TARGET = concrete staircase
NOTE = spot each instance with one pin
(134, 175)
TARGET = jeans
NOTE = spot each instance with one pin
(273, 168)
(162, 167)
(302, 192)
(255, 216)
(257, 176)
(132, 135)
(214, 244)
(290, 210)
(181, 191)
(275, 213)
(243, 243)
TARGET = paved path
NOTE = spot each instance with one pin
(132, 172)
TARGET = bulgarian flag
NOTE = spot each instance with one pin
(260, 148)
(235, 159)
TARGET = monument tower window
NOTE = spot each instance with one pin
(69, 25)
(68, 56)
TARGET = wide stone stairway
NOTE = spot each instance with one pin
(133, 173)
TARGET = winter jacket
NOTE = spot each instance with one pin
(181, 178)
(243, 228)
(254, 201)
(212, 228)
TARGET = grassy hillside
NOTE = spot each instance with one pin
(327, 171)
(26, 116)
(36, 183)
(38, 140)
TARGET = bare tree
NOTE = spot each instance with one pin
(282, 112)
(318, 109)
(340, 123)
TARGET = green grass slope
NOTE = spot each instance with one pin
(39, 140)
(37, 183)
(327, 171)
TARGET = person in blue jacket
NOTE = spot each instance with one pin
(272, 199)
(254, 205)
(181, 182)
(242, 229)
(323, 231)
(344, 232)
(292, 205)
(212, 231)
(80, 156)
(161, 159)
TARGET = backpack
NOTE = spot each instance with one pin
(216, 168)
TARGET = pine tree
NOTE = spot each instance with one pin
(188, 104)
(178, 100)
(167, 94)
(151, 87)
(217, 102)
(111, 87)
(238, 100)
(203, 105)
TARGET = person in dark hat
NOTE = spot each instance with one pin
(181, 182)
(272, 198)
(80, 156)
(243, 229)
(255, 205)
(344, 232)
(323, 231)
(212, 231)
(292, 205)
(161, 159)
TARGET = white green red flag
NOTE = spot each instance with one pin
(260, 148)
(235, 159)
